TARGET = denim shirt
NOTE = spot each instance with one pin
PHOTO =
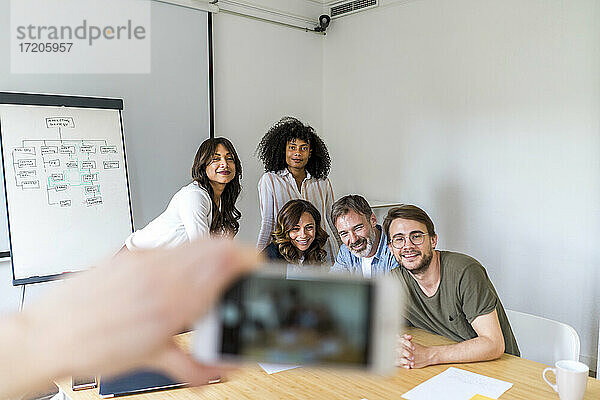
(383, 261)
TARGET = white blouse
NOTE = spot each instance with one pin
(277, 188)
(187, 217)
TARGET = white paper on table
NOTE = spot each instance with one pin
(457, 384)
(273, 368)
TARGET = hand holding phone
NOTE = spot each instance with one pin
(307, 317)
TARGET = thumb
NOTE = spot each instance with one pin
(182, 366)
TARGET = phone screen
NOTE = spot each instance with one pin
(298, 321)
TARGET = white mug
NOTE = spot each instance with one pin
(571, 379)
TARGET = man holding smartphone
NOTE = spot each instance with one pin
(121, 315)
(447, 293)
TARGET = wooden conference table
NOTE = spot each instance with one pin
(251, 382)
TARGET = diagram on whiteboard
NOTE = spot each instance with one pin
(64, 170)
(67, 193)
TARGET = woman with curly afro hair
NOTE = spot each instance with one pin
(296, 164)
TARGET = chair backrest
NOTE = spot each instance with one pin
(542, 339)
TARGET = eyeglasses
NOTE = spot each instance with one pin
(415, 238)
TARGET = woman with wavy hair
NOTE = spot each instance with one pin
(204, 207)
(297, 164)
(298, 237)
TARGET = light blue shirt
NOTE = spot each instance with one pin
(383, 260)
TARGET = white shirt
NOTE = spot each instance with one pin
(277, 188)
(187, 217)
(366, 266)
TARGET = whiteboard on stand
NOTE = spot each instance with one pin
(66, 186)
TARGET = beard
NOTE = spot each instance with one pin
(421, 267)
(370, 242)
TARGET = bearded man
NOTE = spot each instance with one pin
(446, 293)
(364, 250)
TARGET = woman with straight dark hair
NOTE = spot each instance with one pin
(296, 164)
(202, 208)
(298, 237)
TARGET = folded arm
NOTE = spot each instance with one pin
(328, 206)
(488, 345)
(267, 206)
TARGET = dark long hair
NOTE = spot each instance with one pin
(287, 218)
(272, 147)
(225, 219)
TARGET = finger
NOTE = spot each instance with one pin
(407, 344)
(407, 336)
(407, 362)
(407, 354)
(403, 353)
(403, 362)
(220, 261)
(208, 267)
(233, 261)
(181, 366)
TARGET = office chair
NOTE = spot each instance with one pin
(543, 340)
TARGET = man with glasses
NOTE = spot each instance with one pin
(447, 293)
(365, 251)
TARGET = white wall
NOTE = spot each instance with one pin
(165, 115)
(487, 114)
(262, 72)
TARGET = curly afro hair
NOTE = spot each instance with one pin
(272, 147)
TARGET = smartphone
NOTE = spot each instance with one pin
(307, 317)
(83, 382)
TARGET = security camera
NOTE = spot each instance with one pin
(323, 23)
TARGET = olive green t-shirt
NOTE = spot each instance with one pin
(465, 292)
